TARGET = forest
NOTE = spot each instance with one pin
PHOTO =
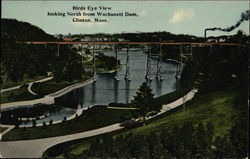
(20, 61)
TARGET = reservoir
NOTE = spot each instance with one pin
(107, 90)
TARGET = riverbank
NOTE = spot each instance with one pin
(215, 105)
(75, 115)
(35, 148)
(21, 92)
(100, 71)
(88, 119)
(172, 61)
(91, 118)
(47, 99)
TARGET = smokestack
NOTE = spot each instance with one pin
(245, 16)
(205, 33)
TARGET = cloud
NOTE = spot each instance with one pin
(181, 15)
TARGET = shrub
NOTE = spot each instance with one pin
(33, 123)
(64, 119)
(44, 123)
(51, 122)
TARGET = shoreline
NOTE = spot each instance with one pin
(47, 99)
(110, 71)
(173, 61)
(73, 116)
(44, 144)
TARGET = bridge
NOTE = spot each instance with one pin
(149, 64)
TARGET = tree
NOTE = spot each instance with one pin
(139, 147)
(44, 123)
(50, 122)
(210, 132)
(33, 123)
(202, 145)
(238, 137)
(144, 99)
(185, 136)
(155, 146)
(223, 148)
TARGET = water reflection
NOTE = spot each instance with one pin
(107, 90)
(127, 87)
(158, 87)
(116, 87)
(93, 97)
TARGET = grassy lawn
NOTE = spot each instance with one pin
(41, 89)
(13, 84)
(17, 95)
(216, 107)
(52, 86)
(170, 97)
(78, 148)
(93, 118)
(164, 99)
(2, 129)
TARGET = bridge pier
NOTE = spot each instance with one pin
(179, 65)
(159, 65)
(117, 65)
(127, 73)
(148, 64)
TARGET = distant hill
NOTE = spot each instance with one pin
(14, 30)
(21, 61)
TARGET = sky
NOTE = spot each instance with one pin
(178, 17)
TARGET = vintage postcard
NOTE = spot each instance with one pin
(124, 79)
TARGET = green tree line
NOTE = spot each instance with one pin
(20, 61)
(187, 141)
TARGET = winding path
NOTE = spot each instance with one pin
(48, 99)
(29, 88)
(30, 83)
(35, 148)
